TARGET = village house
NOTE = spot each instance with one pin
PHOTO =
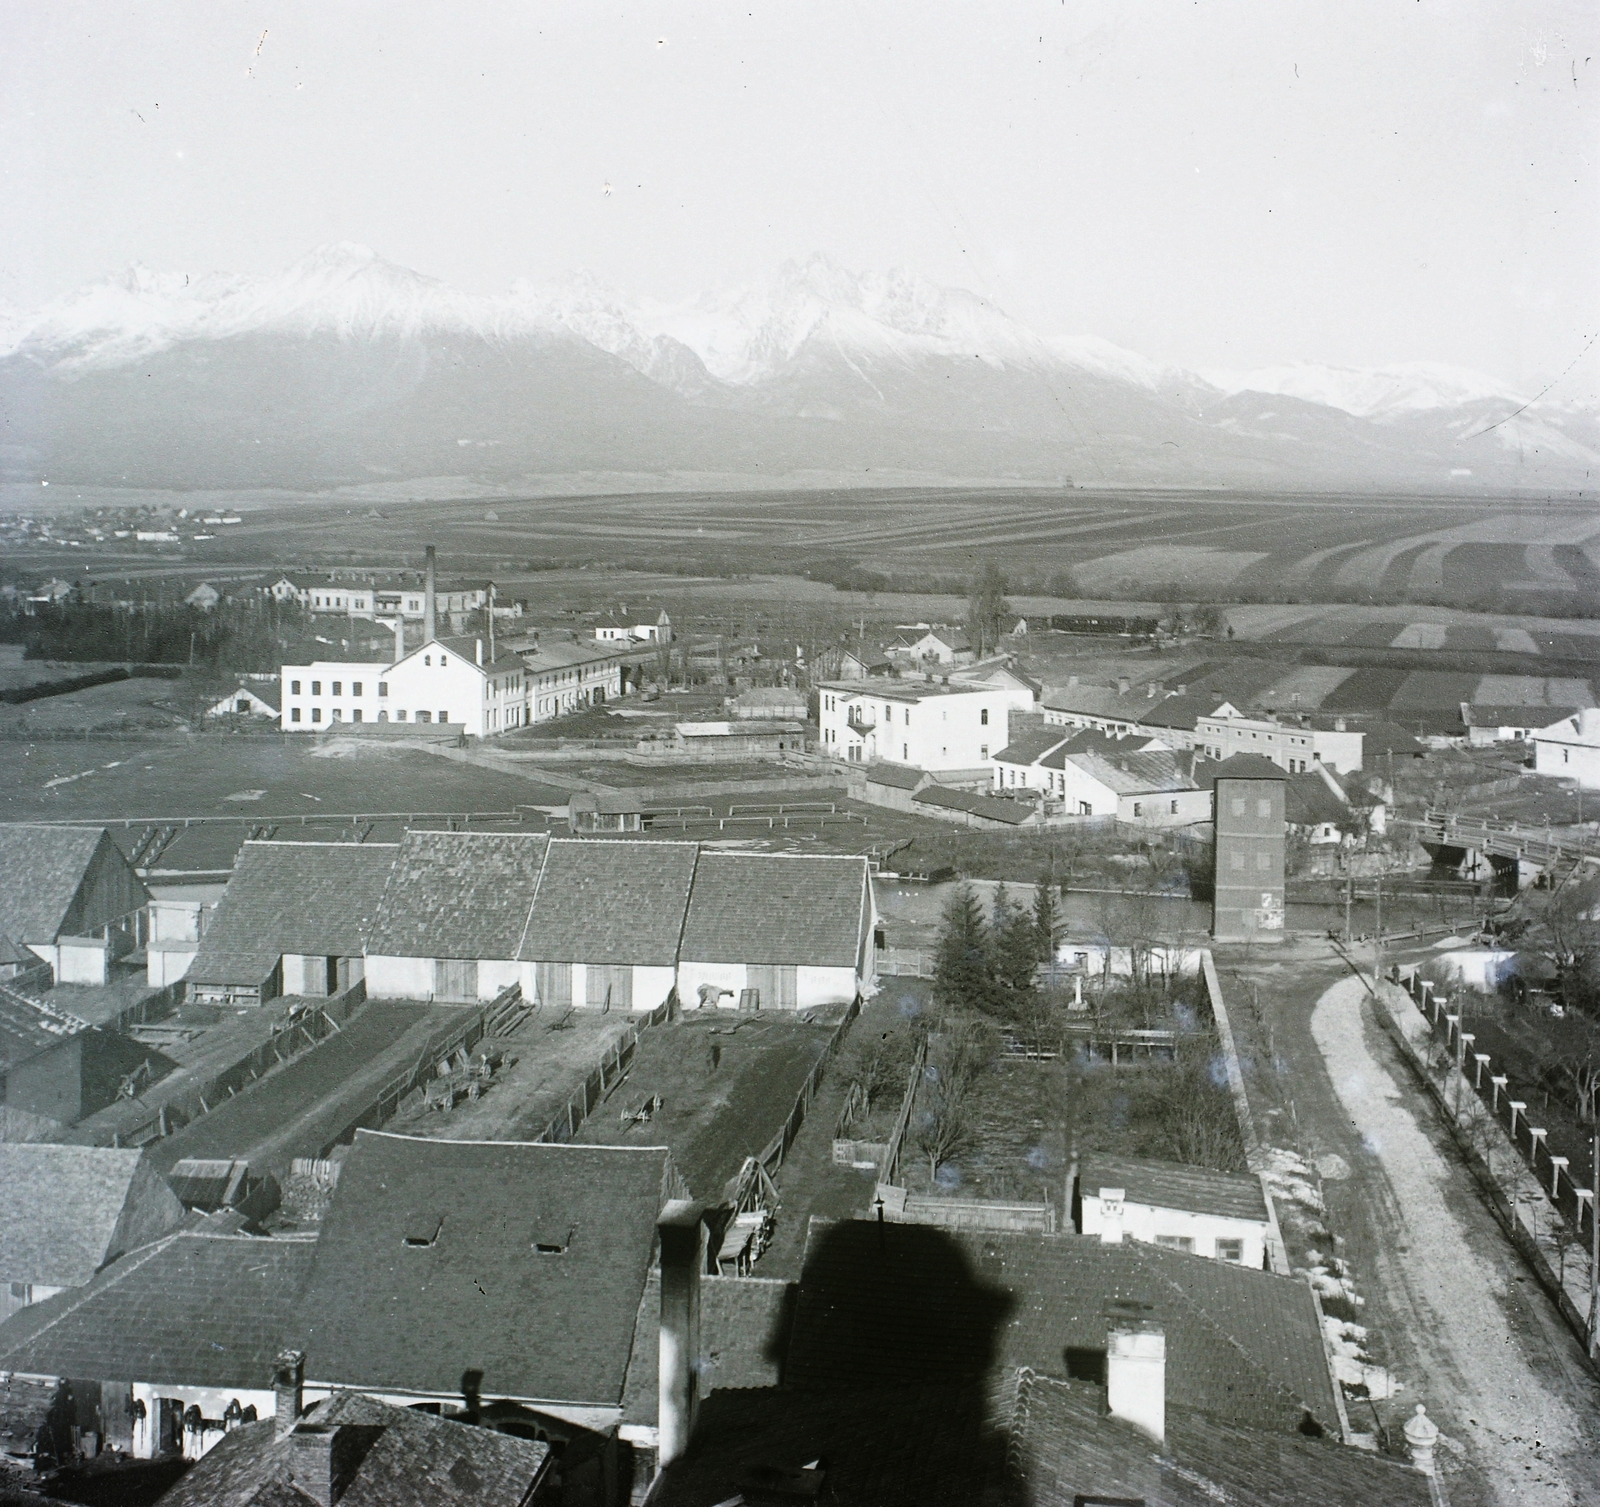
(168, 1348)
(863, 664)
(1089, 774)
(564, 678)
(362, 1452)
(205, 596)
(945, 729)
(1489, 725)
(1224, 1215)
(938, 646)
(70, 897)
(938, 1339)
(1569, 749)
(618, 628)
(438, 1259)
(176, 925)
(260, 699)
(1317, 808)
(451, 913)
(293, 920)
(68, 1211)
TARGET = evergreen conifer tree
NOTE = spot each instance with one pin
(961, 970)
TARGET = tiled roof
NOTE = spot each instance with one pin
(1172, 1185)
(560, 656)
(776, 908)
(458, 895)
(317, 898)
(1065, 1448)
(1135, 773)
(1031, 747)
(907, 1304)
(190, 1310)
(1180, 711)
(1093, 701)
(1014, 813)
(465, 649)
(606, 901)
(896, 776)
(29, 1026)
(1239, 767)
(477, 1293)
(61, 1208)
(41, 871)
(394, 1457)
(1307, 802)
(1387, 737)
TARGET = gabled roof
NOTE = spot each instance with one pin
(1065, 1448)
(394, 1457)
(465, 648)
(609, 901)
(458, 895)
(1172, 1185)
(190, 1310)
(1030, 748)
(1181, 711)
(1093, 701)
(904, 1304)
(991, 808)
(1307, 802)
(555, 1326)
(1239, 767)
(896, 776)
(1092, 740)
(559, 656)
(318, 898)
(42, 870)
(29, 1026)
(779, 909)
(264, 691)
(61, 1209)
(1135, 773)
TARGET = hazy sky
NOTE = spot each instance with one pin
(1354, 181)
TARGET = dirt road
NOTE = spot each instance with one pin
(1451, 1312)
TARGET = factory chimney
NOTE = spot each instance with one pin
(429, 626)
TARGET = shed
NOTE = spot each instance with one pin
(261, 699)
(1224, 1215)
(293, 920)
(67, 1211)
(70, 896)
(795, 928)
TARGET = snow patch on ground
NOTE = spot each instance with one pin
(1350, 1364)
(351, 748)
(1291, 1179)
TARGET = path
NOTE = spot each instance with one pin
(1483, 1347)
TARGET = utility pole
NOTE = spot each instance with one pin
(1349, 900)
(1377, 936)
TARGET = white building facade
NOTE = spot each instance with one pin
(1570, 749)
(932, 727)
(444, 681)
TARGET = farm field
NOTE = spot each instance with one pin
(1068, 543)
(255, 779)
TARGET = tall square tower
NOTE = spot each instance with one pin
(1247, 897)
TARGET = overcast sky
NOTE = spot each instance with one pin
(1220, 184)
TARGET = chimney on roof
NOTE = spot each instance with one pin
(479, 643)
(399, 639)
(320, 1460)
(1111, 1216)
(1183, 690)
(1136, 1367)
(1124, 685)
(1338, 724)
(1151, 689)
(682, 1233)
(288, 1386)
(429, 625)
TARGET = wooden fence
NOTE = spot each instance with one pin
(889, 1167)
(612, 1068)
(979, 1214)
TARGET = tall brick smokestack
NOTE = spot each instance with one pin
(429, 626)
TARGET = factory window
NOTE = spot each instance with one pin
(338, 688)
(983, 717)
(338, 714)
(355, 687)
(316, 687)
(424, 716)
(400, 716)
(983, 750)
(294, 714)
(444, 716)
(294, 687)
(1174, 808)
(1138, 808)
(316, 714)
(427, 659)
(355, 716)
(383, 687)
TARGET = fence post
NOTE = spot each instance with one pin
(1558, 1164)
(1498, 1082)
(1517, 1106)
(1482, 1059)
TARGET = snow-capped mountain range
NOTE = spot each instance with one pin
(346, 366)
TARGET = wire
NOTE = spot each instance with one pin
(1535, 398)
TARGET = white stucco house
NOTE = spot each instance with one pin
(939, 728)
(1570, 749)
(1224, 1215)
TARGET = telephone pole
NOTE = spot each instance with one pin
(1594, 1247)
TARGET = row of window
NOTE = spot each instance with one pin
(1227, 1250)
(356, 716)
(1263, 861)
(336, 687)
